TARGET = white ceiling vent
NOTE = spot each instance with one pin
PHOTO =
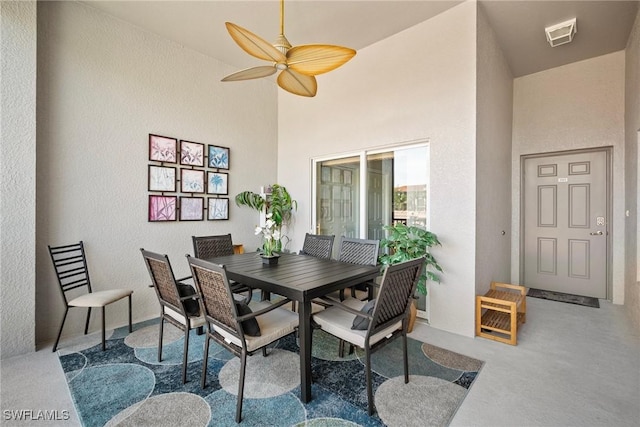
(561, 33)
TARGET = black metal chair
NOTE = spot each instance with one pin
(174, 307)
(318, 245)
(359, 251)
(230, 321)
(378, 321)
(355, 251)
(70, 264)
(207, 247)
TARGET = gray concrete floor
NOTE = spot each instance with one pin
(573, 366)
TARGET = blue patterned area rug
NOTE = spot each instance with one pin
(127, 386)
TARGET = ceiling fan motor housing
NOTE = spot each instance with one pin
(282, 44)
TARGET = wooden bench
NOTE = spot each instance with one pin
(500, 311)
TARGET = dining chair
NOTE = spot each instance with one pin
(318, 245)
(232, 324)
(359, 251)
(370, 325)
(207, 247)
(72, 273)
(175, 303)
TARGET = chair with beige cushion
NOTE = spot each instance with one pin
(232, 324)
(72, 273)
(362, 252)
(207, 247)
(319, 246)
(177, 306)
(370, 325)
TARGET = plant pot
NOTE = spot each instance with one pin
(270, 260)
(413, 313)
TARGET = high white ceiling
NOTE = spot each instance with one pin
(603, 26)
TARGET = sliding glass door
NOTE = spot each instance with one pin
(338, 197)
(358, 194)
(391, 186)
(396, 189)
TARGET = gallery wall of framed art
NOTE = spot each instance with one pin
(187, 180)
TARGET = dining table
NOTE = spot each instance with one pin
(301, 278)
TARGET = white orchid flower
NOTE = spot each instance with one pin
(270, 233)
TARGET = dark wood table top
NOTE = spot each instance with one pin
(298, 277)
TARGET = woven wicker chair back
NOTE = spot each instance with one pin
(319, 246)
(359, 251)
(217, 299)
(164, 282)
(206, 247)
(396, 291)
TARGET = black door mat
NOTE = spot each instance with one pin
(562, 297)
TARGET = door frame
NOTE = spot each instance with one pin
(608, 150)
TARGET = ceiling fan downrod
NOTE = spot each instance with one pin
(281, 43)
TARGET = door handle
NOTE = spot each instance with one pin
(597, 233)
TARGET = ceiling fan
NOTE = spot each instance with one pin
(297, 64)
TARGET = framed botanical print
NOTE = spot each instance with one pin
(191, 180)
(218, 209)
(162, 178)
(218, 157)
(163, 149)
(162, 208)
(191, 208)
(217, 183)
(191, 153)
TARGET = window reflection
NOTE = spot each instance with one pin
(395, 190)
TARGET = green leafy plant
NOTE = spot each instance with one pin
(279, 204)
(409, 242)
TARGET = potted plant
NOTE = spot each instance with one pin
(269, 238)
(408, 242)
(277, 203)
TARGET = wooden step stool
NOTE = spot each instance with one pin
(500, 311)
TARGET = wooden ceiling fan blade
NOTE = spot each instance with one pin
(251, 73)
(254, 45)
(314, 59)
(298, 84)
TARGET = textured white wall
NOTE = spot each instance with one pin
(414, 85)
(493, 161)
(103, 86)
(17, 168)
(580, 105)
(632, 177)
